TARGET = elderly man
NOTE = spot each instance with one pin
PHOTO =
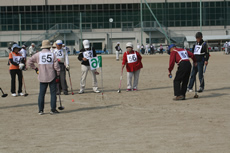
(48, 69)
(63, 61)
(200, 50)
(32, 49)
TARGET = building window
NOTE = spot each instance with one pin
(3, 44)
(70, 42)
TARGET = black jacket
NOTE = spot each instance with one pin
(205, 56)
(80, 56)
(117, 49)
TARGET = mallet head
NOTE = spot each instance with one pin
(4, 95)
(61, 108)
(119, 91)
(196, 96)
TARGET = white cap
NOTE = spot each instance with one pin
(118, 43)
(63, 44)
(86, 43)
(129, 44)
(32, 44)
(58, 42)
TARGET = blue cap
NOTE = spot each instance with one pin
(171, 46)
(15, 46)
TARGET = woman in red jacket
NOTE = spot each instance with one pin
(132, 60)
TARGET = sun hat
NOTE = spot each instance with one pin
(46, 44)
(129, 44)
(86, 43)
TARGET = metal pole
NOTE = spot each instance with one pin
(200, 15)
(157, 22)
(81, 30)
(65, 39)
(20, 29)
(141, 25)
(111, 41)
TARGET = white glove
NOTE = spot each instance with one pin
(67, 67)
(21, 66)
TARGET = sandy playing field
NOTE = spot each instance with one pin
(144, 121)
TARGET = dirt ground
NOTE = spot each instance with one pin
(144, 121)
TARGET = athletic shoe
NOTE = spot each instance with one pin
(40, 113)
(128, 90)
(96, 91)
(54, 112)
(21, 94)
(14, 94)
(189, 90)
(81, 92)
(134, 89)
(200, 90)
(179, 98)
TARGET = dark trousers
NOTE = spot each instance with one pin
(41, 97)
(182, 77)
(198, 68)
(13, 77)
(62, 85)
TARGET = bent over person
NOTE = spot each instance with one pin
(48, 70)
(181, 57)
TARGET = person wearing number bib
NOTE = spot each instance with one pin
(132, 61)
(181, 57)
(49, 70)
(63, 61)
(16, 64)
(85, 55)
(200, 50)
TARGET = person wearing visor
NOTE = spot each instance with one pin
(181, 57)
(132, 61)
(17, 63)
(63, 61)
(200, 50)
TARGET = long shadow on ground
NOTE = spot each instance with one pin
(90, 108)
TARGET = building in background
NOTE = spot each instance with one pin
(74, 20)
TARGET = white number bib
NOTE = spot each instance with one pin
(197, 50)
(183, 55)
(17, 59)
(46, 58)
(132, 58)
(59, 53)
(88, 54)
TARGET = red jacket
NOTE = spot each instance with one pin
(178, 55)
(133, 65)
